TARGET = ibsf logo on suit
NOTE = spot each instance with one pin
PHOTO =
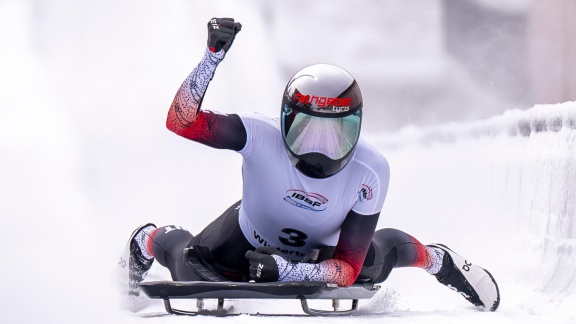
(306, 200)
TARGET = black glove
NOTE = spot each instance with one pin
(263, 267)
(221, 33)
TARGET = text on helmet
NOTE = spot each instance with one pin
(338, 104)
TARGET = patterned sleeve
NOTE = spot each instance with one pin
(346, 263)
(186, 119)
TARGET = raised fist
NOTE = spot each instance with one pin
(221, 33)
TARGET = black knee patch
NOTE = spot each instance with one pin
(383, 254)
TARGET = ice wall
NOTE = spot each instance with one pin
(501, 192)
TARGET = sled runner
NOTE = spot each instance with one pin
(200, 290)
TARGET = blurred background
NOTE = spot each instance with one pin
(85, 87)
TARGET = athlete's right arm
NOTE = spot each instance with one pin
(185, 117)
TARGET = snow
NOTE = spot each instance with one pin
(85, 158)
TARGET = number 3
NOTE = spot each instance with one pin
(295, 237)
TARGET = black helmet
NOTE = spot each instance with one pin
(321, 118)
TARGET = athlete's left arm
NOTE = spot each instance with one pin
(355, 238)
(343, 269)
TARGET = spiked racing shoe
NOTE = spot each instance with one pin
(474, 283)
(136, 260)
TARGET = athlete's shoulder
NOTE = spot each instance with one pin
(262, 132)
(261, 120)
(367, 153)
(371, 158)
(372, 169)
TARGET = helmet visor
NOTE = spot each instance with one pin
(334, 137)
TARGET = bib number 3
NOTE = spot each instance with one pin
(294, 237)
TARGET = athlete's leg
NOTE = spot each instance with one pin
(392, 248)
(224, 238)
(167, 246)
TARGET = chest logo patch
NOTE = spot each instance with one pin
(306, 200)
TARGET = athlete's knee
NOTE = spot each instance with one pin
(168, 243)
(408, 250)
(383, 254)
(377, 264)
(387, 238)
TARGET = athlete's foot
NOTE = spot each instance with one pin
(474, 283)
(140, 258)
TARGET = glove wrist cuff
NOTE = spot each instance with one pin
(285, 267)
(215, 57)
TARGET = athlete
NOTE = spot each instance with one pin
(310, 183)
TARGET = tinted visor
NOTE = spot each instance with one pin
(334, 137)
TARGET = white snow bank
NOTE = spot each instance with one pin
(541, 118)
(500, 191)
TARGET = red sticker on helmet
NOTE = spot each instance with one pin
(322, 102)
